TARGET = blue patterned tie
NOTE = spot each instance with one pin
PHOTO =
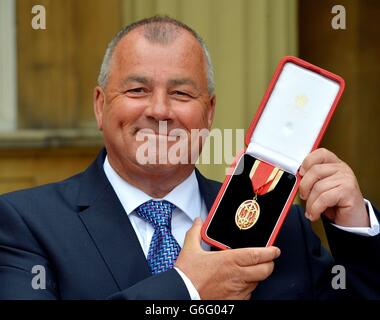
(164, 248)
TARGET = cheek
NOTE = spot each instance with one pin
(123, 113)
(194, 117)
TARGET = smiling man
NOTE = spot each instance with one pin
(127, 230)
(155, 74)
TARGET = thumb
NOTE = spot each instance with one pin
(193, 236)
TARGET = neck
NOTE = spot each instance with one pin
(156, 181)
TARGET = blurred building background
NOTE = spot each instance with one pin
(47, 127)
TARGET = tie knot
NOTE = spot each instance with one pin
(157, 213)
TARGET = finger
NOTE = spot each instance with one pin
(252, 256)
(243, 293)
(193, 236)
(248, 297)
(328, 199)
(247, 293)
(315, 174)
(320, 187)
(318, 156)
(258, 272)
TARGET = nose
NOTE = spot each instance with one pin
(159, 107)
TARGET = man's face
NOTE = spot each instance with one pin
(148, 83)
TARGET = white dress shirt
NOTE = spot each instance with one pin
(189, 205)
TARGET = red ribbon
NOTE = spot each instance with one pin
(260, 177)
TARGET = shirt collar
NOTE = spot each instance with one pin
(186, 196)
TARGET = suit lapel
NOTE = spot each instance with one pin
(209, 189)
(109, 227)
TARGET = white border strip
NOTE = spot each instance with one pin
(8, 77)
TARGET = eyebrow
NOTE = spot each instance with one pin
(137, 78)
(182, 81)
(171, 82)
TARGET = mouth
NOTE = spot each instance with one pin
(151, 132)
(158, 134)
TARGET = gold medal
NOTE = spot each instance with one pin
(264, 179)
(247, 214)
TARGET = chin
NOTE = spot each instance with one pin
(159, 169)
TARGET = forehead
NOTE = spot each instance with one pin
(135, 51)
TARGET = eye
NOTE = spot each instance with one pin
(182, 95)
(137, 90)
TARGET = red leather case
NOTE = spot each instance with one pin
(294, 62)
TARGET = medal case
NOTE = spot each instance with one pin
(263, 180)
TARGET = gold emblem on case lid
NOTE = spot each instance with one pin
(301, 101)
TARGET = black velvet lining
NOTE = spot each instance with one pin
(223, 228)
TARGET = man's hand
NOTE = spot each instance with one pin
(329, 186)
(229, 274)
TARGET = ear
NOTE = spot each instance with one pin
(99, 102)
(211, 111)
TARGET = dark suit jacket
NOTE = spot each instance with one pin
(77, 229)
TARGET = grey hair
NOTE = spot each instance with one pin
(161, 33)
